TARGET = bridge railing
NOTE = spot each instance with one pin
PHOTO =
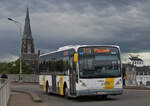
(25, 78)
(4, 92)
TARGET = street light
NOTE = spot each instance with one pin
(18, 24)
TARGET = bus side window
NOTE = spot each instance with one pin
(72, 64)
(66, 65)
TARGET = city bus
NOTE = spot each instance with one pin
(82, 70)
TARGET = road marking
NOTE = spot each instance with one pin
(136, 90)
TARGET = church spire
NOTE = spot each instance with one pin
(27, 40)
(27, 29)
(28, 54)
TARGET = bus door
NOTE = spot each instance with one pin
(54, 82)
(72, 77)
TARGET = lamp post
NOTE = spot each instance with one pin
(18, 24)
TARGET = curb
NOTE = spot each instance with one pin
(9, 99)
(34, 96)
(136, 88)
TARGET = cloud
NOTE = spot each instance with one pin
(8, 58)
(57, 23)
(143, 55)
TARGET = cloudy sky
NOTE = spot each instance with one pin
(56, 23)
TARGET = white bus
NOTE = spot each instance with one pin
(82, 70)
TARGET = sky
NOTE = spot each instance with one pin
(56, 23)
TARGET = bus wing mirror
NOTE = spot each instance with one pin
(76, 57)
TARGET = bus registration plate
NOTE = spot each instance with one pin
(102, 93)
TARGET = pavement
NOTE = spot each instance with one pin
(23, 97)
(30, 94)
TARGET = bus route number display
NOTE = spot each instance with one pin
(87, 50)
(96, 50)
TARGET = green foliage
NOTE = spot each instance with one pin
(14, 67)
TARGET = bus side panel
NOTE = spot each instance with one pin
(60, 83)
(49, 79)
(43, 80)
(59, 80)
(66, 79)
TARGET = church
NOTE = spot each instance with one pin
(27, 47)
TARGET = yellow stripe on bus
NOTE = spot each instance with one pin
(44, 83)
(109, 83)
(61, 85)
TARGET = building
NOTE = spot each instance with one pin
(135, 71)
(27, 49)
(143, 76)
(136, 61)
(136, 76)
(129, 74)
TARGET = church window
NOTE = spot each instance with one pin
(29, 48)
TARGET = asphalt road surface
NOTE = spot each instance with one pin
(129, 98)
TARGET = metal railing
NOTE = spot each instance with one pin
(4, 92)
(25, 78)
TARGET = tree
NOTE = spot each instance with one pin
(14, 67)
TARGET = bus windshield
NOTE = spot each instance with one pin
(99, 62)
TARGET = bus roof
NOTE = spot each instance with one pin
(75, 47)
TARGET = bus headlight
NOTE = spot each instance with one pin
(118, 82)
(82, 83)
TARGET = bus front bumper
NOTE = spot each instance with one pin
(99, 92)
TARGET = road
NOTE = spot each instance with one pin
(129, 98)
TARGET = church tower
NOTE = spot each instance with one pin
(27, 48)
(27, 40)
